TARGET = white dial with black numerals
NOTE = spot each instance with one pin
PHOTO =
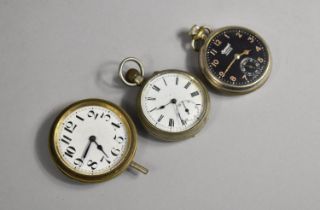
(92, 140)
(173, 101)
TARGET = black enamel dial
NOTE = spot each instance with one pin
(237, 56)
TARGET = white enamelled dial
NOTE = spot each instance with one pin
(164, 94)
(92, 140)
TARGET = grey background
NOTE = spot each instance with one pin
(257, 151)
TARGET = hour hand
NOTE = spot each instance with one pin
(91, 139)
(172, 101)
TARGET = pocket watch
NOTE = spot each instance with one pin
(171, 104)
(94, 140)
(233, 59)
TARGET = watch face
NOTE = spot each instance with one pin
(237, 57)
(173, 101)
(91, 140)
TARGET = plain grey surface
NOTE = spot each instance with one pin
(257, 151)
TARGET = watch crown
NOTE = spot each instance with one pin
(134, 76)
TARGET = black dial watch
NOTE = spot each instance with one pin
(233, 59)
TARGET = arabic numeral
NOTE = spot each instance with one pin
(105, 116)
(118, 139)
(70, 151)
(70, 126)
(92, 164)
(115, 152)
(91, 114)
(78, 162)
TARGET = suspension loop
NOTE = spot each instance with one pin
(198, 34)
(132, 77)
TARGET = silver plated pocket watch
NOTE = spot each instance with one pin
(172, 104)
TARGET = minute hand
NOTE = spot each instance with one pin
(236, 57)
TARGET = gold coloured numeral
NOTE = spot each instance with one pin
(217, 42)
(251, 39)
(260, 60)
(215, 62)
(258, 49)
(239, 34)
(213, 52)
(221, 73)
(233, 78)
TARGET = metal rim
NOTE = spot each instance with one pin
(227, 88)
(121, 69)
(174, 136)
(117, 170)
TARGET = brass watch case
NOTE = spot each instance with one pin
(229, 88)
(127, 156)
(174, 136)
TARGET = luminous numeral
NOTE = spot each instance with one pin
(70, 127)
(70, 151)
(245, 77)
(260, 60)
(251, 39)
(195, 93)
(233, 78)
(187, 85)
(213, 52)
(258, 49)
(226, 35)
(239, 34)
(217, 42)
(215, 62)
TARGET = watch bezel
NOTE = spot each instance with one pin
(174, 136)
(127, 156)
(225, 87)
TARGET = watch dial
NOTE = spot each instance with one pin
(237, 56)
(92, 140)
(172, 102)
